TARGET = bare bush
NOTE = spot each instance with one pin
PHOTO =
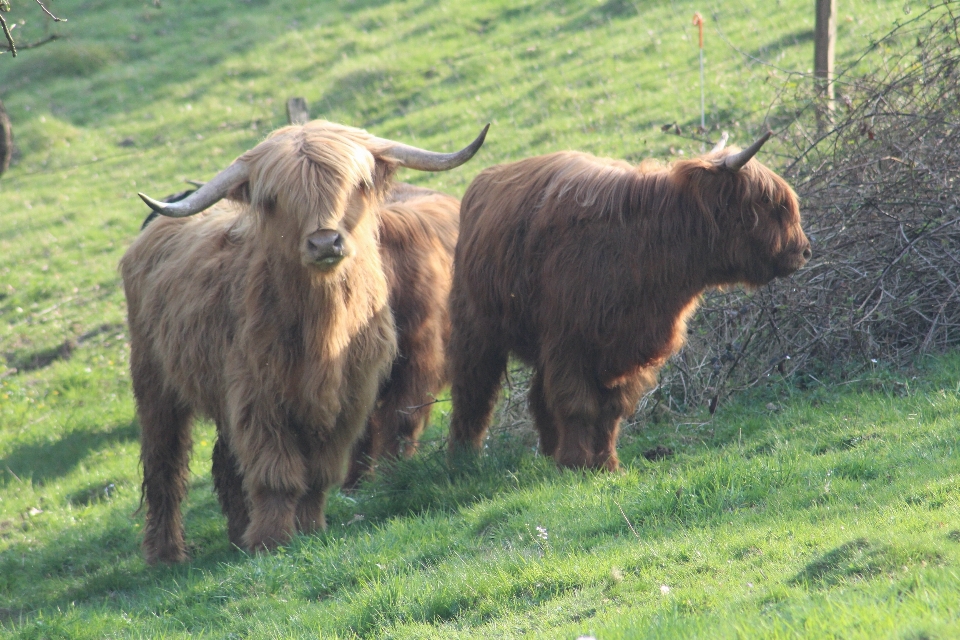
(879, 183)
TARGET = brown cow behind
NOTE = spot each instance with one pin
(418, 233)
(271, 317)
(587, 269)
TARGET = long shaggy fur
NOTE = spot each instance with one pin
(418, 233)
(229, 319)
(587, 269)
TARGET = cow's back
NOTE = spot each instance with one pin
(507, 236)
(418, 234)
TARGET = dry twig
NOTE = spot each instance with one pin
(7, 31)
(880, 195)
(47, 11)
(880, 192)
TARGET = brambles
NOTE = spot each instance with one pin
(879, 194)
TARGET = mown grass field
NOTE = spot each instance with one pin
(805, 508)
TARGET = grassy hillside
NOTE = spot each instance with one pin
(829, 512)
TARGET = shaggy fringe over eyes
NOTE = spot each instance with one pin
(310, 168)
(736, 191)
(732, 195)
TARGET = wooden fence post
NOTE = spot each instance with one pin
(825, 38)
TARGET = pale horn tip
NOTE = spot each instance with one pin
(474, 146)
(156, 205)
(736, 161)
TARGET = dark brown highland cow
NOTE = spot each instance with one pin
(271, 317)
(587, 269)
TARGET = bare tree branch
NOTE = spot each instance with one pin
(47, 11)
(12, 47)
(38, 43)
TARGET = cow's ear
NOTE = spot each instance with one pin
(240, 192)
(382, 176)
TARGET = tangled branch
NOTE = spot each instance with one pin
(11, 45)
(47, 11)
(879, 184)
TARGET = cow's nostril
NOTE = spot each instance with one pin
(326, 243)
(807, 253)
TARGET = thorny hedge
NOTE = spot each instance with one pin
(877, 176)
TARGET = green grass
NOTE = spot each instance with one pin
(825, 512)
(828, 513)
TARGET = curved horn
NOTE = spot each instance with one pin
(207, 195)
(720, 144)
(735, 161)
(423, 160)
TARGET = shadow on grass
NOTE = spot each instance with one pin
(428, 482)
(861, 559)
(24, 361)
(99, 562)
(104, 39)
(45, 461)
(604, 11)
(361, 92)
(785, 41)
(852, 560)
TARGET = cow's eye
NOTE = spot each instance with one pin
(270, 205)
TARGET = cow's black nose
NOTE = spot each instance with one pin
(326, 243)
(325, 247)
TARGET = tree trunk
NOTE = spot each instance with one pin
(6, 140)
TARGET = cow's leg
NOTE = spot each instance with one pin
(618, 402)
(605, 433)
(330, 457)
(365, 453)
(542, 416)
(404, 406)
(574, 402)
(229, 487)
(477, 363)
(310, 517)
(419, 372)
(401, 415)
(274, 481)
(273, 469)
(272, 517)
(164, 452)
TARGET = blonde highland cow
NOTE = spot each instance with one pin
(270, 316)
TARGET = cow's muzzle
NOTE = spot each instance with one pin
(794, 260)
(325, 248)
